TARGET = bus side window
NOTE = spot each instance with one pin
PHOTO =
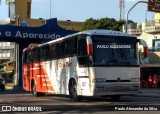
(82, 47)
(67, 48)
(53, 51)
(25, 57)
(35, 54)
(29, 56)
(82, 52)
(70, 47)
(73, 45)
(62, 49)
(42, 53)
(57, 47)
(48, 54)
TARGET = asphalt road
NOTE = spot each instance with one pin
(19, 101)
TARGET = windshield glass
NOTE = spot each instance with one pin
(114, 50)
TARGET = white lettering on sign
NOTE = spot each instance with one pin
(32, 35)
(7, 33)
(114, 46)
(18, 34)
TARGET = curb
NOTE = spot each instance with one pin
(147, 94)
(150, 96)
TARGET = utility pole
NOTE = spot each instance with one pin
(121, 8)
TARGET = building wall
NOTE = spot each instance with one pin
(150, 32)
(32, 22)
(7, 50)
(23, 16)
(70, 25)
(23, 8)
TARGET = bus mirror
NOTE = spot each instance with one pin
(89, 46)
(145, 47)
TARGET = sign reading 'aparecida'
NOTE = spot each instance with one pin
(113, 46)
(19, 34)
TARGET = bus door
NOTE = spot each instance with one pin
(24, 70)
(29, 68)
(83, 62)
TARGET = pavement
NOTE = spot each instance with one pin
(143, 92)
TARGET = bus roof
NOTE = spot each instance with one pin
(106, 32)
(93, 32)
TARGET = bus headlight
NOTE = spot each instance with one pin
(135, 79)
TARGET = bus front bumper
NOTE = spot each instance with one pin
(115, 89)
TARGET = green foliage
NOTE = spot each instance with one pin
(103, 23)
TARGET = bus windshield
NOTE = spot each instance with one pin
(114, 50)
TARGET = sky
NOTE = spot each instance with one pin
(80, 10)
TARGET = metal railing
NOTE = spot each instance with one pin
(155, 22)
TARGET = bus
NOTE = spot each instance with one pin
(102, 63)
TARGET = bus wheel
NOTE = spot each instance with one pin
(2, 87)
(73, 92)
(115, 97)
(34, 91)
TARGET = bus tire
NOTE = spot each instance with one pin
(34, 92)
(73, 91)
(2, 87)
(115, 97)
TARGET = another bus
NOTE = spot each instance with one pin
(89, 63)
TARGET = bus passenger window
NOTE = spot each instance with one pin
(24, 57)
(29, 56)
(52, 52)
(70, 47)
(48, 52)
(62, 49)
(42, 53)
(82, 47)
(35, 54)
(82, 52)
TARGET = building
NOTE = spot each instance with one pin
(7, 60)
(150, 32)
(20, 15)
(7, 51)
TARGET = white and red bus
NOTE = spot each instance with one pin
(89, 63)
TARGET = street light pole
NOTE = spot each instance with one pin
(129, 12)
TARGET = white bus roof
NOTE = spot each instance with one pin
(93, 32)
(105, 32)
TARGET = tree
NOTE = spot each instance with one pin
(89, 24)
(103, 23)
